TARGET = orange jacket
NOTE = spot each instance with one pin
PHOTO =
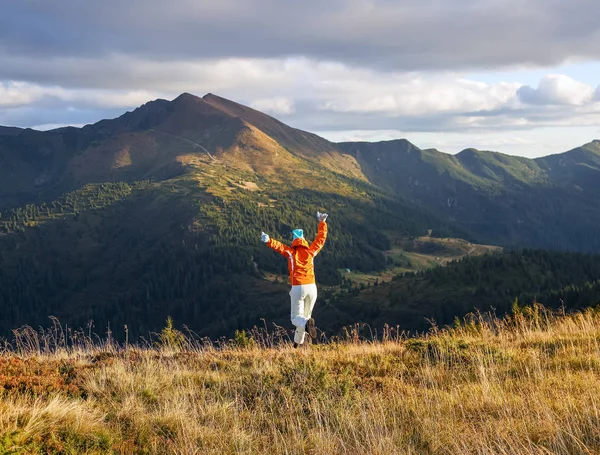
(300, 256)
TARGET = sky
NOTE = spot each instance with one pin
(520, 77)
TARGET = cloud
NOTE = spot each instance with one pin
(15, 94)
(411, 35)
(275, 106)
(413, 94)
(325, 96)
(557, 89)
(123, 72)
(276, 86)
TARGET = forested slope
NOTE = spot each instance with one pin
(487, 283)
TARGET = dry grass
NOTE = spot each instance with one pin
(527, 384)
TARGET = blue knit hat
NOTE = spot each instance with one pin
(297, 234)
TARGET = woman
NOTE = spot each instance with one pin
(302, 276)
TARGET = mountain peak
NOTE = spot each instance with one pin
(468, 151)
(186, 96)
(187, 101)
(593, 146)
(402, 141)
(191, 108)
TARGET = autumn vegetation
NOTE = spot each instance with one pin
(528, 383)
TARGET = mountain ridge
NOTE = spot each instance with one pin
(162, 138)
(497, 198)
(10, 131)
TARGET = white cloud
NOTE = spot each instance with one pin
(414, 94)
(557, 89)
(276, 106)
(16, 94)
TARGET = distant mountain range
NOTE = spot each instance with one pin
(157, 212)
(550, 202)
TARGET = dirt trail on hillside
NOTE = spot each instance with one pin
(186, 140)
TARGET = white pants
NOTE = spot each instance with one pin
(303, 298)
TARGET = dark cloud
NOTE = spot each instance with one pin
(383, 34)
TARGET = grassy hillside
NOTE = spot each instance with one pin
(549, 203)
(417, 254)
(527, 384)
(575, 167)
